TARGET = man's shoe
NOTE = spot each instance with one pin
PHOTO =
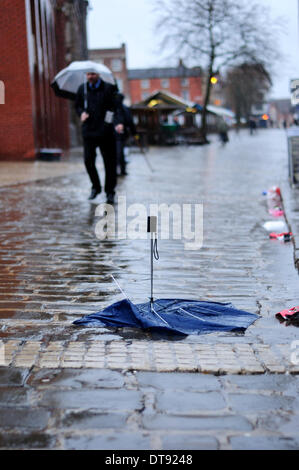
(110, 198)
(94, 193)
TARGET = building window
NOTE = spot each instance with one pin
(184, 82)
(144, 95)
(259, 107)
(185, 95)
(116, 65)
(145, 84)
(165, 83)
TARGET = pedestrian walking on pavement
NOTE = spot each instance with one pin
(252, 125)
(223, 131)
(121, 138)
(101, 118)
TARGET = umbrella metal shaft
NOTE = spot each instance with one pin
(152, 271)
(152, 229)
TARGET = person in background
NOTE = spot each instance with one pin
(176, 122)
(121, 138)
(252, 125)
(101, 118)
(223, 130)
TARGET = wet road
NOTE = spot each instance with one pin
(54, 269)
(67, 387)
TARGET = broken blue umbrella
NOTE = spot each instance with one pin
(174, 316)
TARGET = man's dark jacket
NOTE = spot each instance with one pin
(130, 127)
(100, 100)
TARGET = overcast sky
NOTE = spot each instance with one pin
(132, 21)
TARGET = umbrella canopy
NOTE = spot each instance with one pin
(175, 316)
(68, 80)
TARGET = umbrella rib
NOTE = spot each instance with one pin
(165, 306)
(153, 310)
(122, 291)
(191, 315)
(206, 309)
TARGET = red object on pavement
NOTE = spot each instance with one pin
(285, 236)
(289, 315)
(276, 212)
(277, 190)
(274, 202)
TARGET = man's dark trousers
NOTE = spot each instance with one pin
(107, 147)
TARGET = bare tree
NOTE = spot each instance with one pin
(246, 85)
(217, 33)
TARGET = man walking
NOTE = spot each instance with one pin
(97, 108)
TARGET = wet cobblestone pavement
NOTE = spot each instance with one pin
(72, 387)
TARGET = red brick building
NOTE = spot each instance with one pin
(34, 48)
(181, 81)
(116, 61)
(138, 84)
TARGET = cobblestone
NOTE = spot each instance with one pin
(189, 442)
(193, 423)
(263, 443)
(27, 440)
(190, 403)
(90, 420)
(259, 403)
(13, 396)
(71, 409)
(218, 359)
(20, 418)
(97, 399)
(108, 441)
(12, 377)
(104, 379)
